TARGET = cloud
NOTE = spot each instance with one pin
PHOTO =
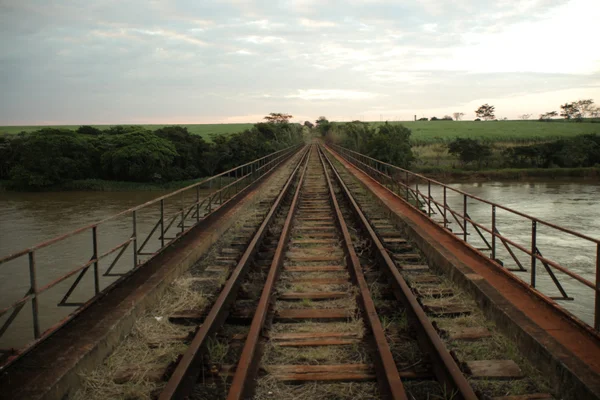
(109, 62)
(331, 94)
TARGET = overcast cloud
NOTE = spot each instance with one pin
(195, 61)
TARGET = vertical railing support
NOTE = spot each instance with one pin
(162, 224)
(198, 203)
(465, 217)
(494, 232)
(34, 299)
(445, 209)
(182, 215)
(95, 256)
(134, 235)
(533, 250)
(429, 197)
(406, 185)
(597, 311)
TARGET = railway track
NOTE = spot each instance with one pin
(297, 316)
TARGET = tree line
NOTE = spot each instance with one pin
(50, 156)
(389, 143)
(579, 151)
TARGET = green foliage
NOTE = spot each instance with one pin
(386, 142)
(138, 156)
(469, 150)
(391, 144)
(50, 157)
(580, 151)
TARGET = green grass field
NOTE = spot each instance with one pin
(423, 132)
(204, 130)
(427, 132)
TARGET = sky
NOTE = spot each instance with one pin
(198, 61)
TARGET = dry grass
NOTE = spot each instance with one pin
(152, 344)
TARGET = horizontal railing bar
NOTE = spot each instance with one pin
(454, 213)
(549, 224)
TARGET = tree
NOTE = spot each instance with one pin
(278, 118)
(88, 130)
(570, 110)
(458, 115)
(485, 112)
(469, 150)
(595, 112)
(309, 124)
(525, 116)
(323, 125)
(585, 107)
(138, 156)
(548, 116)
(391, 144)
(447, 118)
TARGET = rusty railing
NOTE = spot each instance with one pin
(164, 220)
(446, 205)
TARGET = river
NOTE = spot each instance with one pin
(29, 218)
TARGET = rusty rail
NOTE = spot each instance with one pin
(206, 197)
(406, 184)
(245, 369)
(445, 368)
(189, 368)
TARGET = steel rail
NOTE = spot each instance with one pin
(188, 369)
(445, 368)
(390, 378)
(245, 370)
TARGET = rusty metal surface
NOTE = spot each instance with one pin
(398, 181)
(445, 368)
(188, 369)
(247, 358)
(392, 385)
(568, 351)
(90, 335)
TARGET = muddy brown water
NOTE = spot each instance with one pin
(29, 218)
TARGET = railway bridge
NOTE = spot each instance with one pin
(315, 271)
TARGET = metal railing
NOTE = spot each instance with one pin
(165, 219)
(451, 206)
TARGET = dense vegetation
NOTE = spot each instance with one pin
(386, 142)
(577, 152)
(51, 156)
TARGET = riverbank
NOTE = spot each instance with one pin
(450, 175)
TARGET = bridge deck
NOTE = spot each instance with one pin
(546, 334)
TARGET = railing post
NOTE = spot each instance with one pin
(220, 191)
(182, 215)
(533, 250)
(162, 223)
(197, 203)
(406, 185)
(429, 197)
(134, 234)
(445, 210)
(96, 272)
(418, 203)
(494, 232)
(597, 311)
(34, 299)
(465, 217)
